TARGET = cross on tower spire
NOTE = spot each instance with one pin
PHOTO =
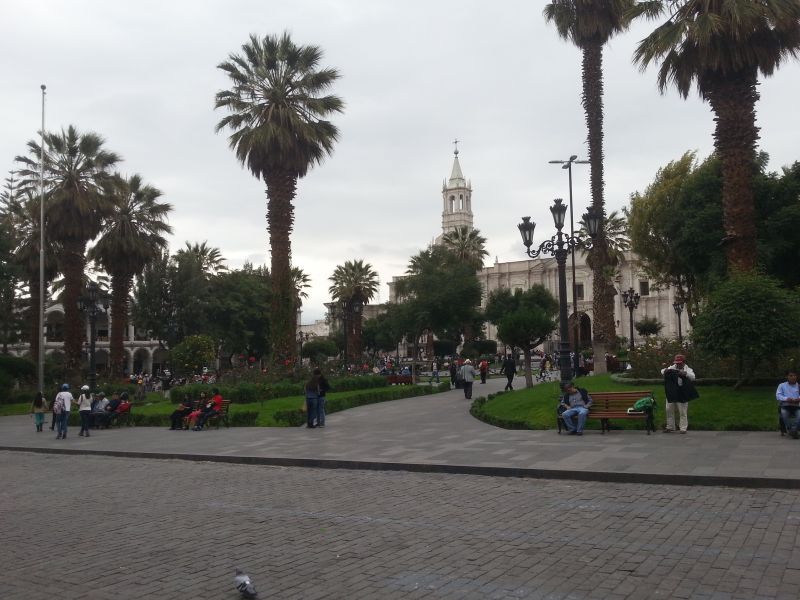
(455, 143)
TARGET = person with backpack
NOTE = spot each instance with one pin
(483, 367)
(575, 402)
(61, 408)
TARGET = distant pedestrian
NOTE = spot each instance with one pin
(85, 410)
(509, 369)
(467, 373)
(61, 408)
(453, 374)
(312, 400)
(435, 371)
(38, 408)
(483, 367)
(324, 388)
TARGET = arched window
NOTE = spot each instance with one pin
(452, 203)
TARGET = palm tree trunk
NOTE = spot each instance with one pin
(73, 261)
(604, 328)
(120, 288)
(281, 189)
(733, 100)
(357, 342)
(33, 316)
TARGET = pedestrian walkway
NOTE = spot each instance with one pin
(436, 433)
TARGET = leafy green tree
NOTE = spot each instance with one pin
(749, 317)
(153, 308)
(192, 354)
(133, 236)
(467, 244)
(524, 319)
(720, 48)
(440, 293)
(778, 206)
(318, 351)
(676, 226)
(278, 109)
(378, 334)
(353, 282)
(648, 326)
(238, 312)
(78, 175)
(589, 24)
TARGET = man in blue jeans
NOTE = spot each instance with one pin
(576, 401)
(788, 397)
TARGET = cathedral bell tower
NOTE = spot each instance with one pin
(456, 199)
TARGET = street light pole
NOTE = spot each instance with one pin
(567, 164)
(89, 305)
(42, 291)
(630, 299)
(678, 306)
(559, 246)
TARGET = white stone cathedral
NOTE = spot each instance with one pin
(522, 274)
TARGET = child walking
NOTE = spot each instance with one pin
(38, 408)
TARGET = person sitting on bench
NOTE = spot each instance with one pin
(788, 397)
(576, 401)
(214, 407)
(184, 410)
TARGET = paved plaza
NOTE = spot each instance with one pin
(117, 528)
(142, 512)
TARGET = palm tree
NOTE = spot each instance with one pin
(354, 284)
(300, 282)
(589, 24)
(721, 47)
(210, 258)
(278, 114)
(77, 178)
(133, 237)
(467, 244)
(615, 229)
(24, 217)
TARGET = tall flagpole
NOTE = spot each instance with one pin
(42, 291)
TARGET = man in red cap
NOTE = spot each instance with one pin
(679, 389)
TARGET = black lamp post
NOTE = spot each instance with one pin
(567, 164)
(92, 303)
(630, 299)
(560, 246)
(678, 306)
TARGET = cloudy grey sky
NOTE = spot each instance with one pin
(415, 75)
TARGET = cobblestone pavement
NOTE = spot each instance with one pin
(120, 528)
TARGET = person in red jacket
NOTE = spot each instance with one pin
(483, 367)
(214, 407)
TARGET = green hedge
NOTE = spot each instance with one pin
(293, 418)
(477, 407)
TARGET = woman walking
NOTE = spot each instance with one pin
(312, 401)
(38, 408)
(85, 410)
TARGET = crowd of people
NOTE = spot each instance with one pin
(95, 410)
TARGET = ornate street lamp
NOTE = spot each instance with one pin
(567, 165)
(630, 299)
(678, 306)
(92, 304)
(559, 246)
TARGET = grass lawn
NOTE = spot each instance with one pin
(718, 408)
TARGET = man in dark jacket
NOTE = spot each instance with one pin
(679, 389)
(509, 369)
(576, 402)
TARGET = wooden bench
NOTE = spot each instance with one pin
(614, 405)
(399, 379)
(222, 415)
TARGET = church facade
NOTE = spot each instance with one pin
(523, 274)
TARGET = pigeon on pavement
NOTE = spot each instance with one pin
(242, 582)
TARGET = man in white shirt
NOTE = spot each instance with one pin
(788, 397)
(61, 408)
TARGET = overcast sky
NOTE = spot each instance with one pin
(415, 75)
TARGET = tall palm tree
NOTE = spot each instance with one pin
(615, 229)
(24, 217)
(278, 111)
(467, 244)
(77, 177)
(721, 47)
(589, 24)
(210, 258)
(354, 283)
(300, 282)
(133, 236)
